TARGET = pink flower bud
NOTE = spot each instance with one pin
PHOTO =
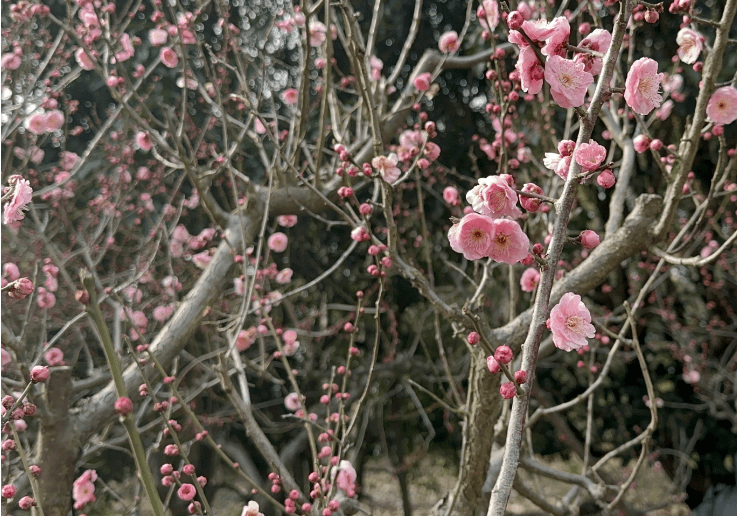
(530, 203)
(473, 338)
(493, 365)
(507, 390)
(606, 179)
(39, 374)
(515, 20)
(656, 145)
(641, 143)
(589, 239)
(20, 288)
(26, 503)
(520, 376)
(8, 491)
(503, 354)
(566, 147)
(123, 406)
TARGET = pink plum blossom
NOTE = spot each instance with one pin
(169, 57)
(163, 312)
(589, 155)
(251, 509)
(290, 96)
(376, 66)
(258, 126)
(286, 221)
(187, 492)
(722, 106)
(10, 61)
(570, 322)
(387, 167)
(641, 86)
(54, 357)
(449, 42)
(11, 271)
(346, 478)
(690, 44)
(450, 195)
(45, 299)
(20, 197)
(284, 276)
(568, 81)
(246, 338)
(278, 242)
(530, 70)
(291, 401)
(157, 37)
(36, 123)
(472, 235)
(317, 31)
(494, 196)
(143, 141)
(529, 280)
(555, 43)
(83, 491)
(510, 244)
(488, 14)
(202, 260)
(84, 60)
(598, 41)
(422, 81)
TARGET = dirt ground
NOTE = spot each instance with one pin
(434, 475)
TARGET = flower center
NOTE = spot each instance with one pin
(566, 80)
(575, 324)
(477, 234)
(502, 240)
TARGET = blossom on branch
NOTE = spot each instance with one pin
(589, 155)
(449, 42)
(510, 244)
(472, 236)
(387, 167)
(641, 86)
(20, 196)
(570, 322)
(568, 81)
(722, 106)
(690, 44)
(494, 196)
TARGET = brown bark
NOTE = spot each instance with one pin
(58, 445)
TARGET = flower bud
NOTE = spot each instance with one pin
(503, 354)
(641, 143)
(606, 179)
(520, 376)
(589, 239)
(530, 203)
(507, 390)
(39, 374)
(123, 406)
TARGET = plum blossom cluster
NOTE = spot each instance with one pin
(501, 358)
(589, 156)
(487, 232)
